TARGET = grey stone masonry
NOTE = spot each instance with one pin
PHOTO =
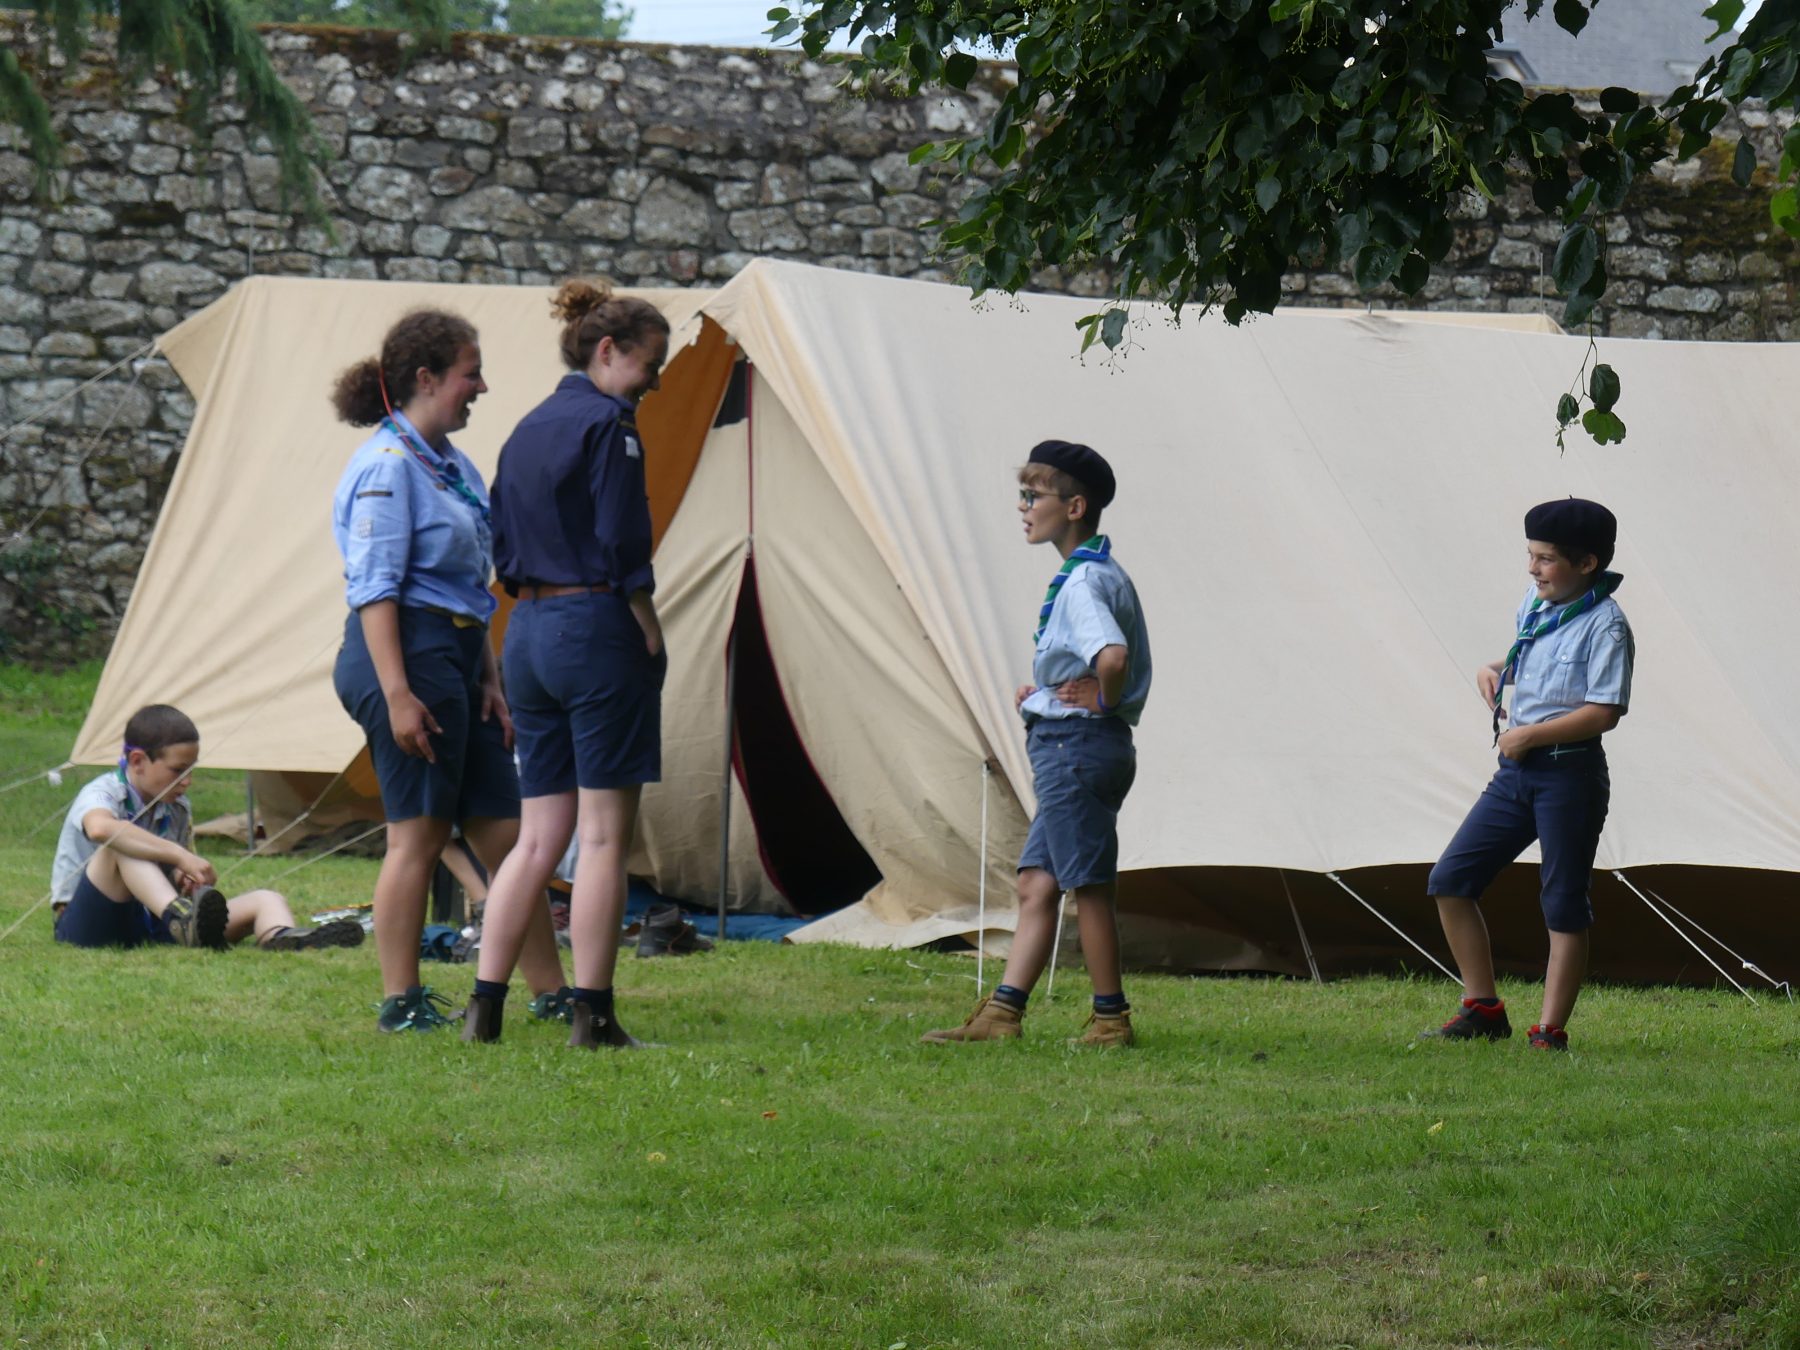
(522, 161)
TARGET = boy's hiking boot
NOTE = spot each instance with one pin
(1106, 1031)
(1548, 1038)
(415, 1010)
(590, 1030)
(553, 1006)
(481, 1019)
(992, 1020)
(665, 933)
(1473, 1021)
(337, 933)
(198, 920)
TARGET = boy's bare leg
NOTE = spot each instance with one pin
(515, 927)
(1040, 910)
(257, 912)
(1562, 979)
(120, 878)
(1466, 931)
(1098, 920)
(456, 861)
(413, 847)
(606, 819)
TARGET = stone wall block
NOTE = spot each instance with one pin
(1687, 299)
(599, 220)
(765, 230)
(494, 210)
(534, 137)
(391, 193)
(1638, 262)
(672, 213)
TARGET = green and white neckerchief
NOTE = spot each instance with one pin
(1097, 549)
(1539, 625)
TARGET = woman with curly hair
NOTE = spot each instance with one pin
(584, 653)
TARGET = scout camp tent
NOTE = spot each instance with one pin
(1322, 517)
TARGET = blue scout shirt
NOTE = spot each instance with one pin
(569, 501)
(1097, 607)
(1588, 660)
(405, 534)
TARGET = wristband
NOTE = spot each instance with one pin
(1100, 700)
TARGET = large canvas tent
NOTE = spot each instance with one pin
(1321, 513)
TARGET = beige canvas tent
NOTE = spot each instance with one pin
(1321, 513)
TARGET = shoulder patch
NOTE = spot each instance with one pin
(1617, 630)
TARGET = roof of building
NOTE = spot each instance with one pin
(1650, 46)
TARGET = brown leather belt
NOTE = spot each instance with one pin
(545, 592)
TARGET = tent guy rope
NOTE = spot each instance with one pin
(1378, 914)
(1652, 907)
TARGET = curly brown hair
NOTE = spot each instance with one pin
(428, 339)
(590, 311)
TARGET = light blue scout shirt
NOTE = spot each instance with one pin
(405, 534)
(1097, 607)
(171, 818)
(1588, 660)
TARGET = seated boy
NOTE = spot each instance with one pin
(125, 871)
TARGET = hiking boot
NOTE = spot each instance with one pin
(590, 1030)
(415, 1010)
(337, 933)
(1548, 1038)
(481, 1019)
(198, 920)
(665, 933)
(992, 1020)
(552, 1007)
(1473, 1021)
(1106, 1031)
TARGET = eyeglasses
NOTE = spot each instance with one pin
(1028, 496)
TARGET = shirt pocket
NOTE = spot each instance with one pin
(1568, 679)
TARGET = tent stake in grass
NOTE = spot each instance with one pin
(1305, 945)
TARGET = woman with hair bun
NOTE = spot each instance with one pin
(413, 524)
(584, 655)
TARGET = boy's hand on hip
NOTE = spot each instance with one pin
(493, 704)
(412, 724)
(1022, 693)
(1081, 692)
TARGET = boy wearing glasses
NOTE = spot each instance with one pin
(1092, 677)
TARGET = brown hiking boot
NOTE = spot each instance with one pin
(991, 1021)
(590, 1030)
(1106, 1032)
(481, 1019)
(198, 920)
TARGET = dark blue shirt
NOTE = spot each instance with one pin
(568, 496)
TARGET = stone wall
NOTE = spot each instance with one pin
(522, 161)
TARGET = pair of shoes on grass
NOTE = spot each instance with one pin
(664, 932)
(1475, 1020)
(994, 1020)
(420, 1008)
(588, 1028)
(198, 920)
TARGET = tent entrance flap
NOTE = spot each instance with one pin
(807, 849)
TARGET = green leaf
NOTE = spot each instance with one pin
(1618, 101)
(1784, 210)
(1112, 328)
(1603, 388)
(1743, 163)
(1575, 258)
(1268, 192)
(1726, 14)
(1739, 72)
(1567, 410)
(959, 70)
(1414, 273)
(1288, 9)
(776, 15)
(1010, 145)
(1604, 427)
(1580, 306)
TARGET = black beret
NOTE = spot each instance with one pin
(1574, 523)
(1082, 463)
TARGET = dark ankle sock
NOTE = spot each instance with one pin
(1111, 1005)
(1012, 997)
(1487, 1003)
(599, 1000)
(492, 990)
(268, 935)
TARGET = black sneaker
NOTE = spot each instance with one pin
(198, 920)
(1473, 1021)
(415, 1010)
(337, 933)
(592, 1030)
(1548, 1038)
(665, 933)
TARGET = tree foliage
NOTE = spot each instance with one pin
(536, 18)
(1203, 147)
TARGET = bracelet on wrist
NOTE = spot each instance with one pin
(1102, 704)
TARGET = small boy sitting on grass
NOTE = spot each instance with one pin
(1092, 673)
(125, 870)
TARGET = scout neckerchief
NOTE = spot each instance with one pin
(445, 473)
(1097, 549)
(1538, 625)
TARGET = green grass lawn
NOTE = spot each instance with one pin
(201, 1149)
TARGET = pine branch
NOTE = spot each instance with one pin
(22, 105)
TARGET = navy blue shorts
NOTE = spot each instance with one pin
(1082, 767)
(586, 694)
(91, 920)
(1557, 795)
(474, 777)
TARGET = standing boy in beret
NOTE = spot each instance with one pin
(1092, 672)
(1570, 669)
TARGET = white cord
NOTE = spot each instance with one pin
(1748, 965)
(1651, 906)
(1409, 942)
(981, 891)
(1062, 905)
(1305, 945)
